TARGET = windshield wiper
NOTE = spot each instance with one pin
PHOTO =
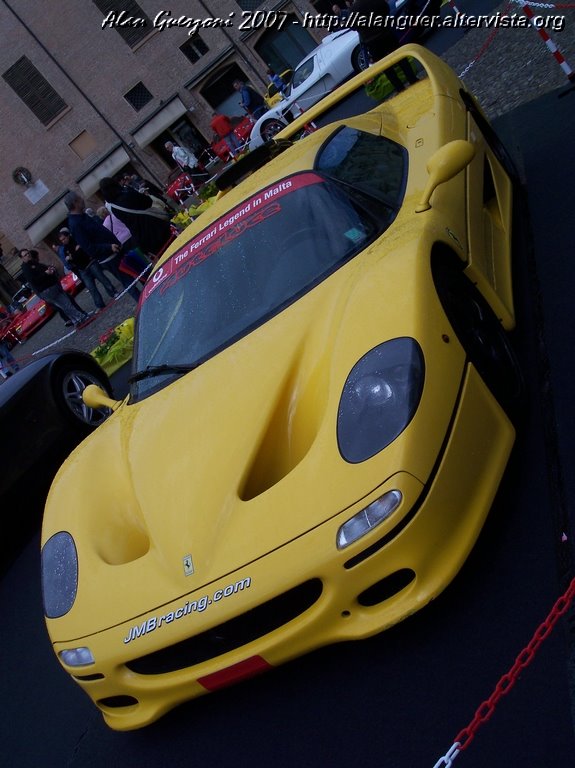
(159, 370)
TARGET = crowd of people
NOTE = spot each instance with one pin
(109, 250)
(135, 221)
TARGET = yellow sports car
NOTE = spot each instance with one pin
(318, 417)
(272, 93)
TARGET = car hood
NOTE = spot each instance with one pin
(239, 456)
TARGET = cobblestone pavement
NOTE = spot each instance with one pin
(504, 67)
(54, 336)
(511, 66)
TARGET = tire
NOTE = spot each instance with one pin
(270, 127)
(485, 341)
(359, 59)
(68, 383)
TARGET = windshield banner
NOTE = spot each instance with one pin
(251, 212)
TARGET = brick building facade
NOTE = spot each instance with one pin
(89, 88)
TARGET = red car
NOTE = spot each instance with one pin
(36, 312)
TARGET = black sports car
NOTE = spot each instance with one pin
(42, 417)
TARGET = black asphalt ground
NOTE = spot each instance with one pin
(399, 699)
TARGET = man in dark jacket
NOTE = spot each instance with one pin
(97, 241)
(85, 267)
(44, 281)
(251, 100)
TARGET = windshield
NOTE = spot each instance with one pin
(250, 264)
(302, 73)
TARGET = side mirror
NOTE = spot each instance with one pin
(443, 165)
(95, 397)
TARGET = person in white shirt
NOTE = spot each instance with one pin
(183, 157)
(187, 161)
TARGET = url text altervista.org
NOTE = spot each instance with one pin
(458, 20)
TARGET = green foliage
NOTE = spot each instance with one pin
(208, 190)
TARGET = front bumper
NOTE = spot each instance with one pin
(141, 670)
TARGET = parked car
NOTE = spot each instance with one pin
(42, 403)
(336, 58)
(42, 418)
(339, 56)
(18, 301)
(319, 413)
(35, 312)
(272, 93)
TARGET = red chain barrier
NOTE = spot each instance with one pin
(506, 683)
(487, 42)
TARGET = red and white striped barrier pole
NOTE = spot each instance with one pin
(558, 56)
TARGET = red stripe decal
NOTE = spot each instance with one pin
(255, 665)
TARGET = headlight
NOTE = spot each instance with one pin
(379, 398)
(77, 657)
(368, 518)
(59, 574)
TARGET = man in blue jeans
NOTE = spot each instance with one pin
(97, 241)
(44, 281)
(88, 270)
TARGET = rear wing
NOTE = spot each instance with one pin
(443, 81)
(356, 96)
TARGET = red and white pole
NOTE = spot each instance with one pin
(452, 4)
(553, 48)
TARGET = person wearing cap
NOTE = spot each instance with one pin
(44, 281)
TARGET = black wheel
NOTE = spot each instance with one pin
(270, 127)
(486, 342)
(359, 59)
(68, 386)
(493, 141)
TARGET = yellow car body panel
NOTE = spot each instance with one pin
(225, 489)
(286, 415)
(272, 95)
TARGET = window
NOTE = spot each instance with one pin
(138, 96)
(194, 48)
(83, 145)
(34, 90)
(136, 25)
